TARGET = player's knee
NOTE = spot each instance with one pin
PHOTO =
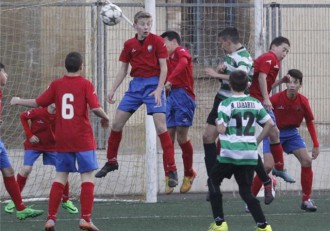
(274, 135)
(25, 171)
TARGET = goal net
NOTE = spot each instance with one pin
(37, 35)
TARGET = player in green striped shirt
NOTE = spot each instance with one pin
(238, 116)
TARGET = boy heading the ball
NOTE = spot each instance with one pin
(146, 53)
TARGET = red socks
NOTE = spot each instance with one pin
(87, 200)
(187, 157)
(168, 152)
(306, 182)
(14, 192)
(55, 197)
(113, 146)
(21, 181)
(65, 196)
(277, 152)
(256, 185)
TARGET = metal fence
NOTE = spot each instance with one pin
(36, 38)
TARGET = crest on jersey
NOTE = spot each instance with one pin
(149, 48)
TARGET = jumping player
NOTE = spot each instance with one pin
(146, 53)
(181, 103)
(266, 68)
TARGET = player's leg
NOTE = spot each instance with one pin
(65, 163)
(217, 174)
(170, 170)
(187, 157)
(87, 163)
(296, 145)
(180, 114)
(114, 140)
(22, 212)
(262, 177)
(131, 101)
(209, 136)
(244, 176)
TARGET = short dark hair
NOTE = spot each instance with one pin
(278, 41)
(229, 33)
(296, 74)
(73, 62)
(170, 35)
(238, 80)
(2, 66)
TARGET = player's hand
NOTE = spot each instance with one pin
(105, 123)
(168, 86)
(315, 153)
(14, 100)
(34, 139)
(210, 72)
(157, 93)
(110, 97)
(267, 104)
(221, 68)
(286, 79)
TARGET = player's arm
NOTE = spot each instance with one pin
(215, 74)
(162, 77)
(23, 102)
(264, 92)
(25, 118)
(312, 131)
(104, 117)
(278, 82)
(182, 64)
(265, 130)
(122, 73)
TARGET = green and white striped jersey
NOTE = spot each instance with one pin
(238, 60)
(240, 114)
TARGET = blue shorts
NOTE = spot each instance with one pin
(291, 140)
(4, 160)
(265, 142)
(138, 94)
(180, 109)
(48, 158)
(86, 161)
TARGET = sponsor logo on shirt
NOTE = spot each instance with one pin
(276, 67)
(40, 122)
(280, 107)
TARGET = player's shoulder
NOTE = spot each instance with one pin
(182, 51)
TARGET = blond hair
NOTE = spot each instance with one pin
(141, 14)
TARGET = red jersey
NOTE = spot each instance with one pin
(143, 55)
(291, 112)
(42, 125)
(73, 96)
(180, 70)
(268, 64)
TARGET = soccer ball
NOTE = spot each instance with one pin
(111, 14)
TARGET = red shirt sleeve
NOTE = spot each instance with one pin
(25, 117)
(182, 64)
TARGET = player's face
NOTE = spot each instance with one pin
(293, 86)
(281, 51)
(169, 45)
(3, 77)
(143, 27)
(225, 45)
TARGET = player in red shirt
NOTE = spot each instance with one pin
(10, 183)
(266, 68)
(73, 96)
(146, 53)
(181, 103)
(290, 108)
(39, 127)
